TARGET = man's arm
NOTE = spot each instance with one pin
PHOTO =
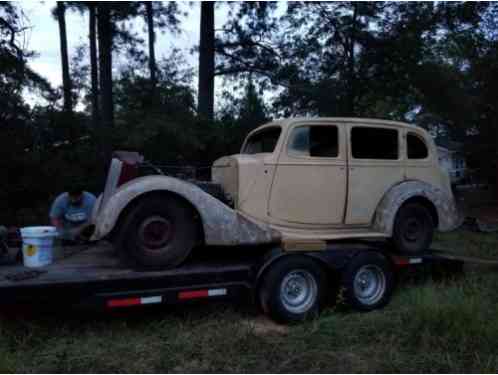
(56, 222)
(92, 199)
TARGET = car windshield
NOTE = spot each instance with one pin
(263, 141)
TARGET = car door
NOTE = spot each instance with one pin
(420, 159)
(375, 165)
(309, 185)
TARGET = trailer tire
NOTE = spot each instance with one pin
(293, 289)
(158, 233)
(367, 281)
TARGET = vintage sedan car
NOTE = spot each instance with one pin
(295, 181)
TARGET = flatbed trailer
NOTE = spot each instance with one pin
(288, 285)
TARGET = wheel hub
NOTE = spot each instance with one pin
(298, 291)
(412, 230)
(369, 284)
(155, 232)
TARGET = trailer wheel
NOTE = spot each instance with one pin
(158, 232)
(367, 282)
(413, 229)
(293, 289)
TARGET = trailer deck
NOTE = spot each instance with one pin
(95, 272)
(100, 263)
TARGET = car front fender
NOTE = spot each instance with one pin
(221, 224)
(447, 212)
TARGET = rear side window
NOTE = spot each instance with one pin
(416, 147)
(374, 143)
(314, 141)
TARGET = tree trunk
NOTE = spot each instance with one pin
(94, 67)
(152, 39)
(106, 119)
(105, 65)
(66, 79)
(352, 63)
(206, 62)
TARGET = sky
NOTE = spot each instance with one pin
(43, 37)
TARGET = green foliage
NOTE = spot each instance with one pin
(435, 64)
(246, 42)
(431, 63)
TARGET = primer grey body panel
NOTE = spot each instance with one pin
(221, 224)
(448, 215)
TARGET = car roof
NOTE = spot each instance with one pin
(284, 123)
(359, 120)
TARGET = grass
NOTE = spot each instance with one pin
(450, 326)
(468, 243)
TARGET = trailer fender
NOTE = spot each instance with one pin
(448, 217)
(221, 224)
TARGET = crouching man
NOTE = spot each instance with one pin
(71, 213)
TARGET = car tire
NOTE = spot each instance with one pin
(367, 282)
(158, 233)
(413, 229)
(293, 289)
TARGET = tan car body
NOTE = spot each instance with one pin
(286, 196)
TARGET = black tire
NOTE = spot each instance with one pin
(288, 273)
(367, 282)
(158, 232)
(413, 229)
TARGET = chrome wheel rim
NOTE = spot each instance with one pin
(298, 291)
(369, 284)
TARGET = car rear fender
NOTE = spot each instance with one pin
(448, 217)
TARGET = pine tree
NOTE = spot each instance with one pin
(152, 38)
(105, 42)
(94, 73)
(60, 12)
(252, 111)
(206, 62)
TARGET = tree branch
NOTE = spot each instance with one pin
(12, 41)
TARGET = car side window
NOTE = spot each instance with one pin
(416, 147)
(374, 143)
(299, 142)
(264, 141)
(314, 141)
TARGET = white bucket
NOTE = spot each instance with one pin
(37, 245)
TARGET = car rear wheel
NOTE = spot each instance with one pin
(293, 289)
(413, 229)
(159, 232)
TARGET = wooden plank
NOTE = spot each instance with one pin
(304, 245)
